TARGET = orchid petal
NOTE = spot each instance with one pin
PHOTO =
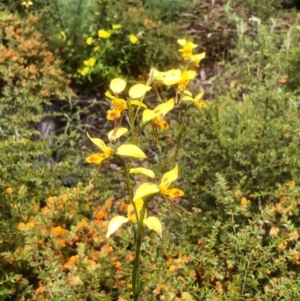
(148, 115)
(117, 85)
(96, 158)
(145, 171)
(113, 135)
(161, 123)
(137, 103)
(198, 57)
(164, 108)
(181, 42)
(138, 90)
(98, 142)
(145, 190)
(174, 193)
(130, 150)
(120, 104)
(171, 77)
(154, 224)
(191, 74)
(200, 104)
(130, 210)
(113, 114)
(109, 95)
(115, 224)
(187, 92)
(199, 96)
(169, 177)
(187, 98)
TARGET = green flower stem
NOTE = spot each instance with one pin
(127, 164)
(182, 119)
(139, 233)
(132, 125)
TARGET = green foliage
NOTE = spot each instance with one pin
(262, 9)
(251, 131)
(246, 255)
(156, 25)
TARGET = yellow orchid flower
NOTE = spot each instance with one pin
(119, 106)
(187, 48)
(118, 85)
(27, 3)
(196, 58)
(186, 76)
(113, 114)
(119, 103)
(157, 114)
(151, 222)
(166, 180)
(147, 189)
(196, 101)
(175, 76)
(129, 150)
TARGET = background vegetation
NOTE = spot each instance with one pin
(239, 162)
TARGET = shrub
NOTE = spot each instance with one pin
(99, 40)
(250, 132)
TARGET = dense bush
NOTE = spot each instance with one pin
(97, 40)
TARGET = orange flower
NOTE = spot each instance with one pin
(238, 193)
(9, 190)
(58, 230)
(21, 226)
(102, 214)
(108, 203)
(62, 242)
(282, 80)
(282, 246)
(91, 262)
(83, 223)
(294, 235)
(159, 288)
(74, 259)
(274, 231)
(244, 202)
(39, 290)
(50, 201)
(107, 249)
(30, 224)
(75, 280)
(129, 257)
